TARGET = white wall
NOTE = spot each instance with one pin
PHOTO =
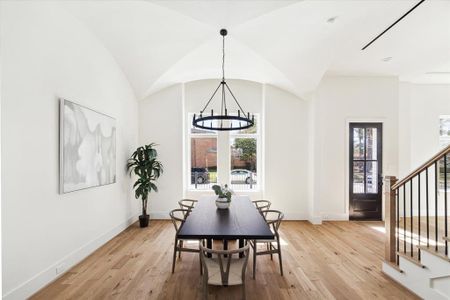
(161, 122)
(46, 54)
(420, 108)
(338, 101)
(284, 151)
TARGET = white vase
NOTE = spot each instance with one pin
(222, 203)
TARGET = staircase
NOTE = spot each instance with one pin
(416, 219)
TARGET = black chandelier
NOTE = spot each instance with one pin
(223, 121)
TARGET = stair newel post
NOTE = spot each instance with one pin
(389, 218)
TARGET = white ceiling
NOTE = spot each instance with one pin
(286, 43)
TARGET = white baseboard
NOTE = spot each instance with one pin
(334, 217)
(315, 220)
(38, 281)
(159, 215)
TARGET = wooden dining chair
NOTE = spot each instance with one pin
(222, 269)
(178, 216)
(188, 204)
(273, 219)
(262, 205)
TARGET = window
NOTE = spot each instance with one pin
(208, 153)
(244, 158)
(203, 158)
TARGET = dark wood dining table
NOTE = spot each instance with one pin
(241, 221)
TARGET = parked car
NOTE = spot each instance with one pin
(242, 176)
(201, 174)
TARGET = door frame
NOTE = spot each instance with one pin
(347, 159)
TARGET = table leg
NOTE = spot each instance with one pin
(241, 244)
(209, 246)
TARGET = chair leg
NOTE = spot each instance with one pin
(254, 259)
(279, 257)
(200, 260)
(174, 255)
(179, 252)
(269, 248)
(205, 289)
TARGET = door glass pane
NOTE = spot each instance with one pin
(372, 177)
(358, 143)
(243, 174)
(203, 162)
(371, 143)
(358, 177)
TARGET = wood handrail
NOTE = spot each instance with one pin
(427, 164)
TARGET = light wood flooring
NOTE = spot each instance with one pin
(336, 260)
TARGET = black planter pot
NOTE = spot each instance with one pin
(143, 220)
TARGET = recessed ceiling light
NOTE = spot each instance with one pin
(332, 19)
(386, 59)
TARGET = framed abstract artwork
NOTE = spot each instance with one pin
(87, 147)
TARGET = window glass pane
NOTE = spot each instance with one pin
(372, 177)
(243, 173)
(358, 177)
(358, 143)
(371, 143)
(203, 162)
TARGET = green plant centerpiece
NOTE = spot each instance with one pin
(224, 194)
(144, 164)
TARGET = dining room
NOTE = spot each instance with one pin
(275, 149)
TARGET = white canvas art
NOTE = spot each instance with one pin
(87, 148)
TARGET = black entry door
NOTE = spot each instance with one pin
(365, 171)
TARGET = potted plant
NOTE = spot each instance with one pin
(223, 196)
(144, 164)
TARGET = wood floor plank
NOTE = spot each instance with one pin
(336, 260)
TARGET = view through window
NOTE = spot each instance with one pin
(205, 150)
(203, 162)
(243, 155)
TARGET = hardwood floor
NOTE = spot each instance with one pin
(336, 260)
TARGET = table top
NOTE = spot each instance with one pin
(240, 221)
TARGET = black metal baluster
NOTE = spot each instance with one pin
(428, 205)
(411, 214)
(436, 204)
(445, 203)
(418, 215)
(397, 194)
(404, 218)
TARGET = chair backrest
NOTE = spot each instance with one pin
(273, 219)
(187, 203)
(178, 216)
(224, 259)
(262, 205)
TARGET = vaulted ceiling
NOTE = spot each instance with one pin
(291, 44)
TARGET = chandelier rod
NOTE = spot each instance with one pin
(232, 95)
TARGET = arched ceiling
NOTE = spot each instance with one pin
(290, 44)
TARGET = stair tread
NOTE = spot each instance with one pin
(413, 259)
(433, 251)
